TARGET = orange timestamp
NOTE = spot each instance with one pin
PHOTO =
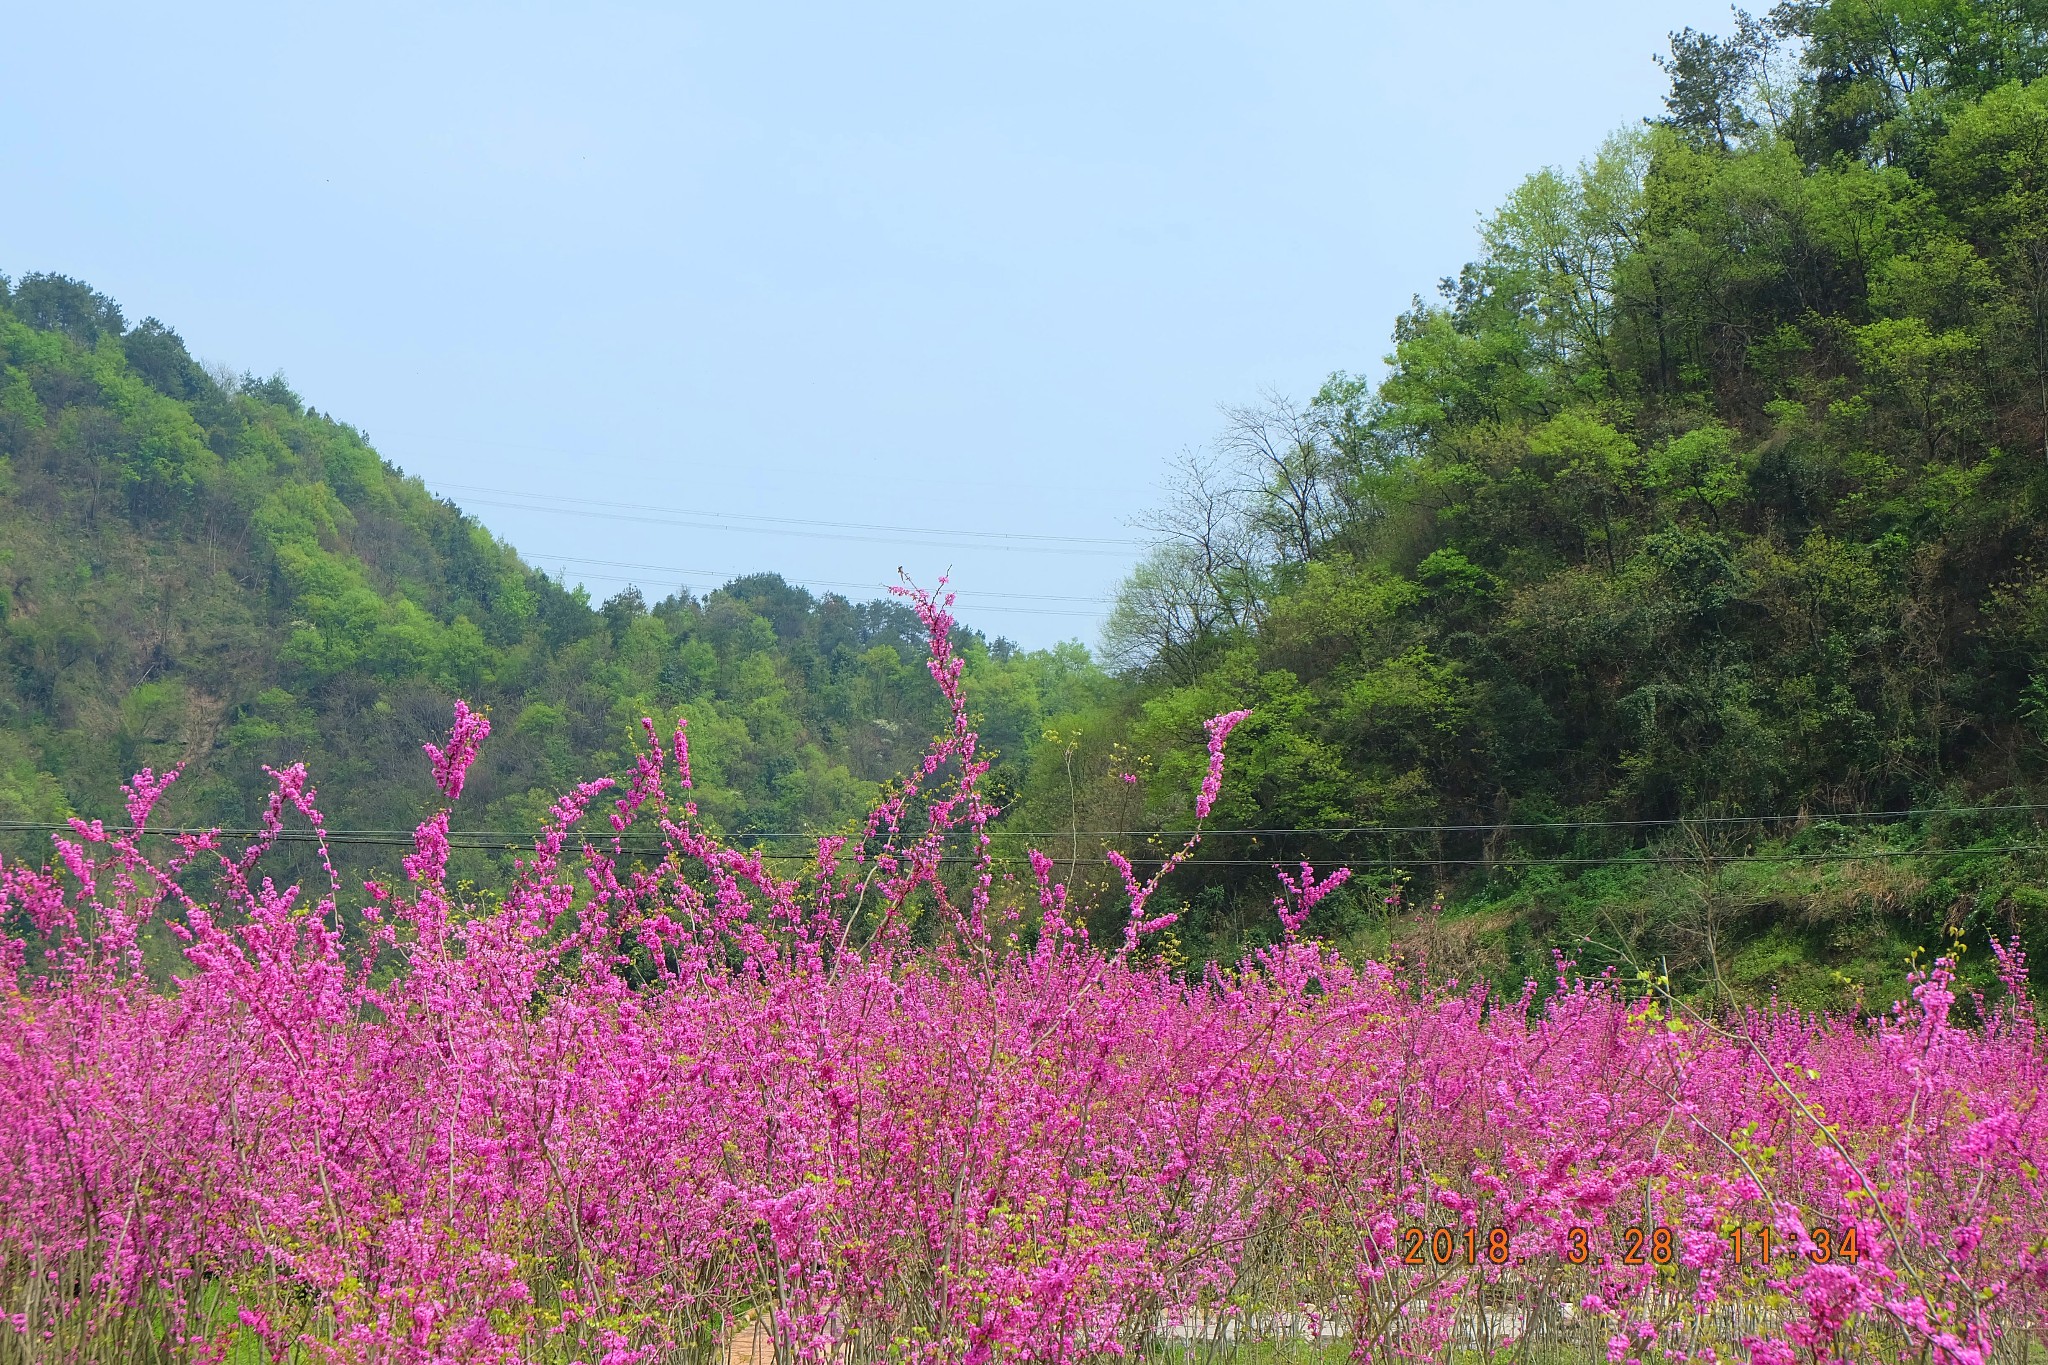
(1638, 1246)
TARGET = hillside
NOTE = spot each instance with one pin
(200, 569)
(1712, 490)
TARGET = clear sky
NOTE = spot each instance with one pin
(976, 267)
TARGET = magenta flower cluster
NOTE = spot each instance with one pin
(627, 1108)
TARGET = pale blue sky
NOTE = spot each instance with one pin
(980, 267)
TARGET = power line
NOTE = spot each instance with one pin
(789, 521)
(968, 607)
(728, 575)
(1211, 832)
(1509, 860)
(1661, 822)
(819, 530)
(1505, 861)
(627, 845)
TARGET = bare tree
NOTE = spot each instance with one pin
(1289, 469)
(1208, 520)
(1204, 576)
(1164, 613)
(1269, 495)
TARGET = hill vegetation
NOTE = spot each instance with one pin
(197, 568)
(1676, 602)
(1695, 521)
(1713, 488)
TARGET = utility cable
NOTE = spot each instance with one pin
(1209, 832)
(547, 500)
(969, 609)
(554, 507)
(628, 844)
(728, 575)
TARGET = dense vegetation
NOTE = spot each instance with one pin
(1713, 488)
(1704, 506)
(198, 568)
(689, 1109)
(1698, 521)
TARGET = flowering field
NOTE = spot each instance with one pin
(636, 1108)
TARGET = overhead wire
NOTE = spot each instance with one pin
(976, 609)
(553, 506)
(727, 575)
(550, 499)
(514, 840)
(1675, 821)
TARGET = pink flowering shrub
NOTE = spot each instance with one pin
(629, 1103)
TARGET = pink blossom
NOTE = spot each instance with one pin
(1219, 728)
(451, 765)
(616, 1107)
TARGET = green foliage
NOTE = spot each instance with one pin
(1713, 488)
(220, 577)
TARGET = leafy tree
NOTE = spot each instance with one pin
(1697, 494)
(59, 303)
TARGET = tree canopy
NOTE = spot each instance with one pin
(1712, 488)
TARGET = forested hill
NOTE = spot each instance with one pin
(1714, 488)
(200, 569)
